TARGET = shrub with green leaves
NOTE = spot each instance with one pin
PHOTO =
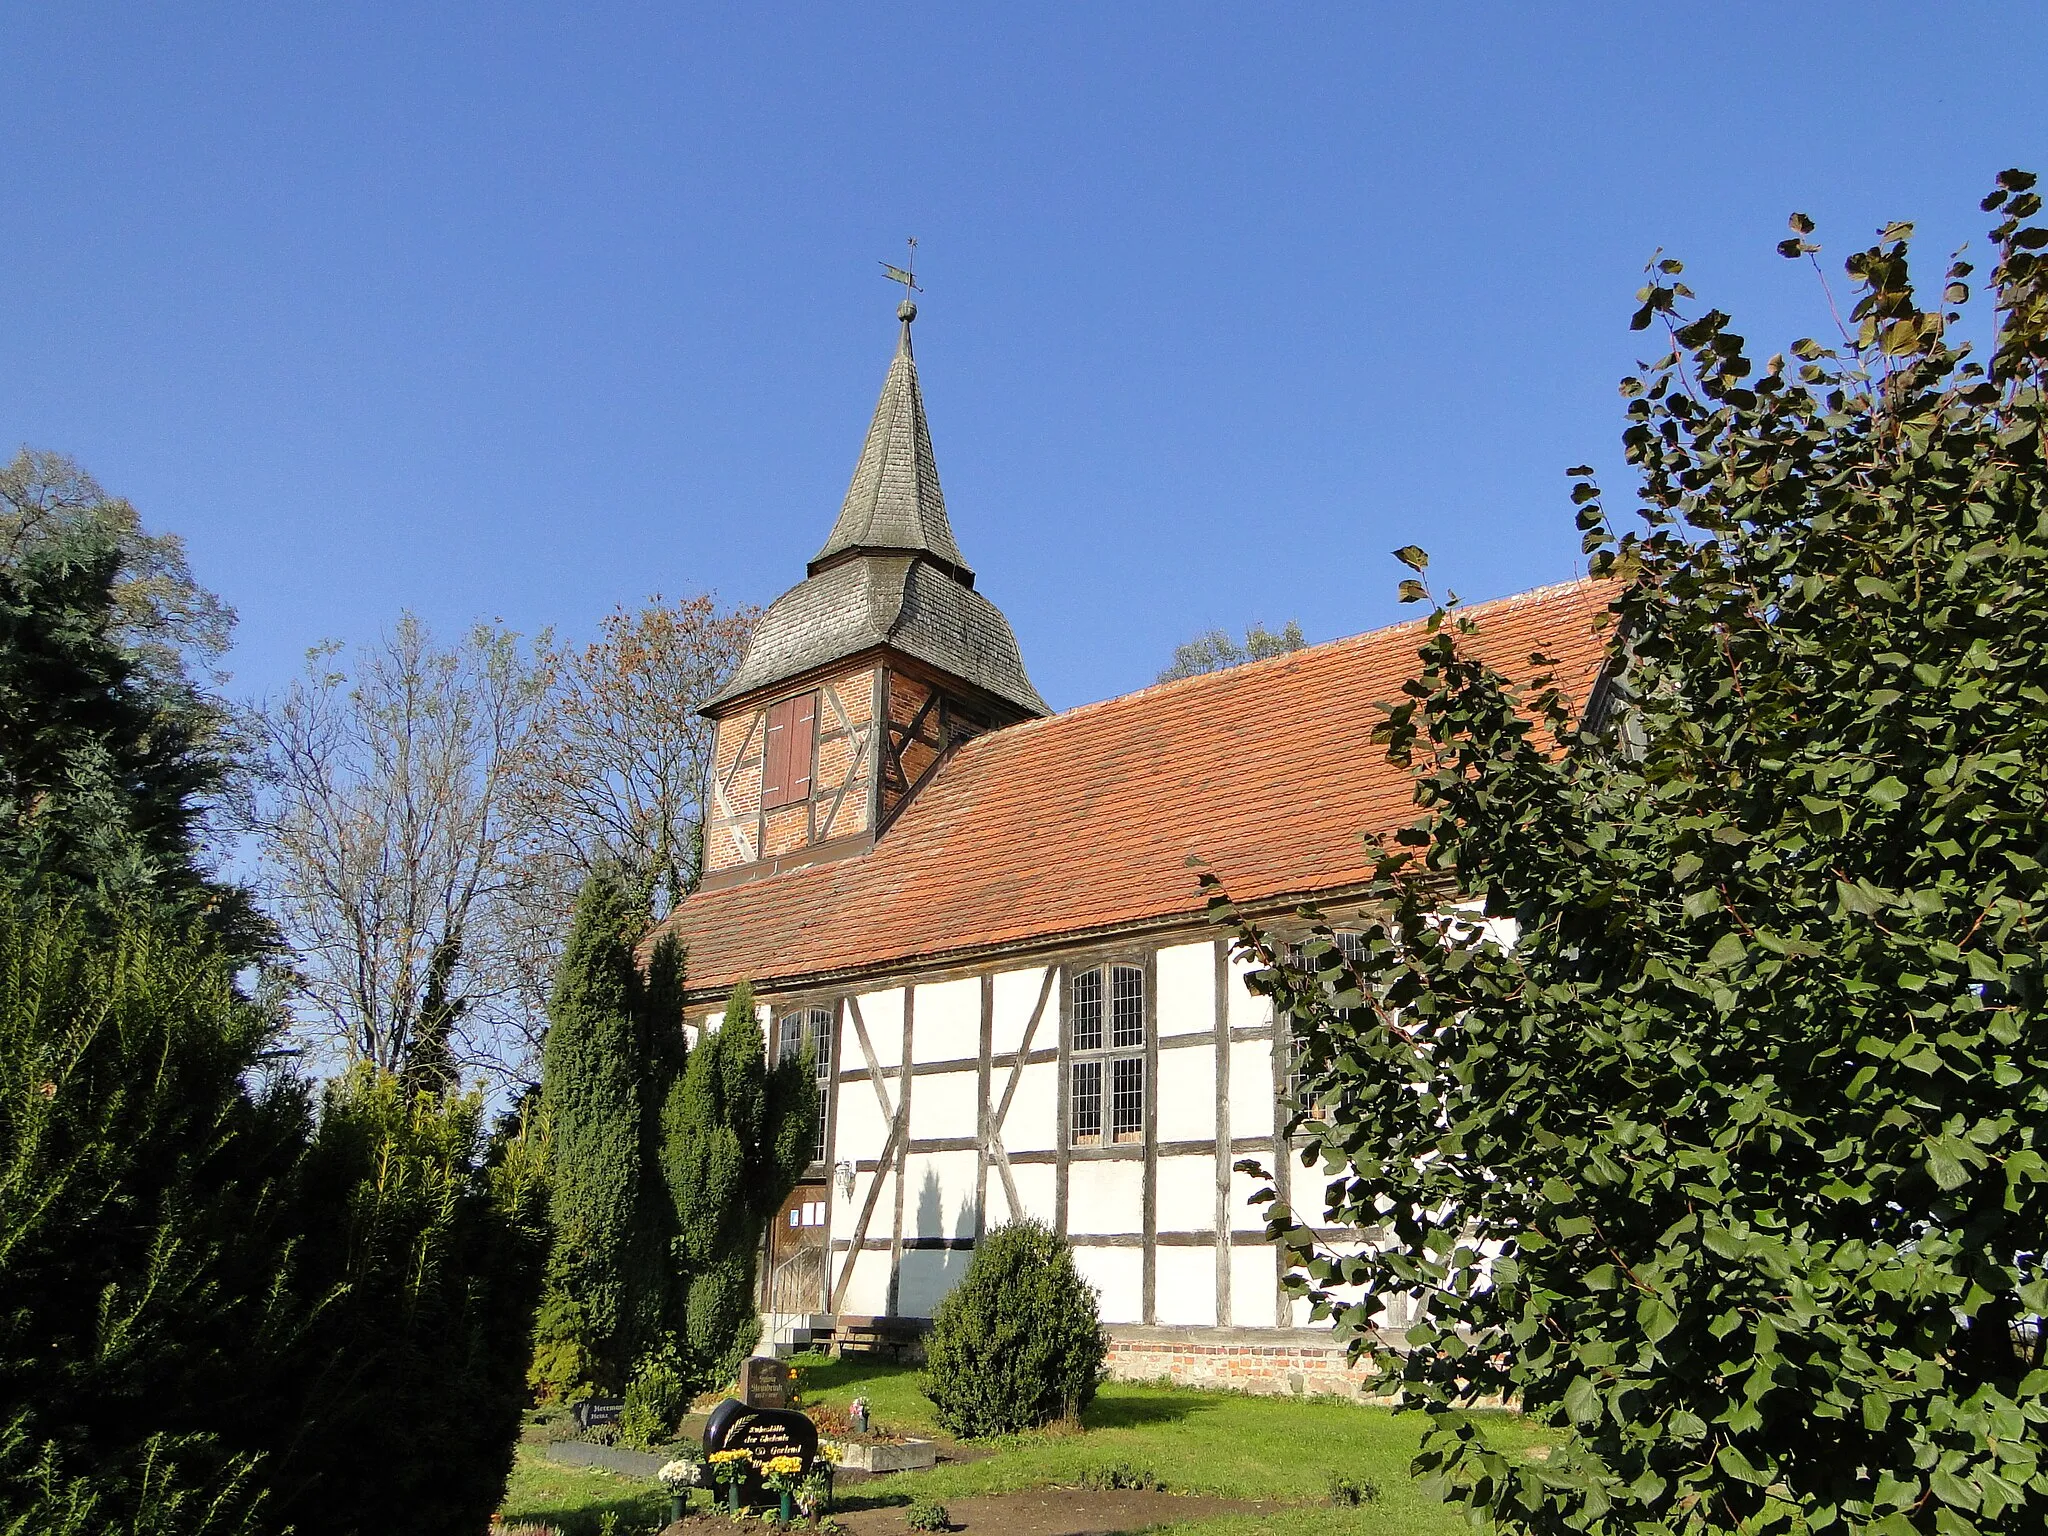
(1018, 1343)
(656, 1399)
(1732, 1166)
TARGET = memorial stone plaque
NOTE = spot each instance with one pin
(593, 1411)
(761, 1433)
(764, 1383)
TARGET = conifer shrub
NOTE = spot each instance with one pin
(1018, 1343)
(613, 1046)
(426, 1244)
(736, 1137)
(146, 1221)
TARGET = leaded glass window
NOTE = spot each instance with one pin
(1106, 1075)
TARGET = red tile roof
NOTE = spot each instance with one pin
(1086, 821)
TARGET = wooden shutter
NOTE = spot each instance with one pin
(775, 762)
(786, 769)
(798, 741)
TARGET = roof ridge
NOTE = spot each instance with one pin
(1267, 663)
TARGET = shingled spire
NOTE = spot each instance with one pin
(890, 577)
(894, 505)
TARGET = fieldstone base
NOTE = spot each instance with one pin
(1302, 1362)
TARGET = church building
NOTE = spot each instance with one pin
(984, 918)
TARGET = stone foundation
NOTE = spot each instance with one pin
(1301, 1362)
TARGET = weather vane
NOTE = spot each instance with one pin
(906, 275)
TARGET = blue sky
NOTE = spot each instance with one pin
(521, 312)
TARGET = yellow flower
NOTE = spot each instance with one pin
(722, 1457)
(786, 1466)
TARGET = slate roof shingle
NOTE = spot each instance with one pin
(1085, 822)
(890, 572)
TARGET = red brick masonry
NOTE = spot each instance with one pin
(1297, 1361)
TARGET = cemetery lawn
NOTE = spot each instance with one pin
(575, 1500)
(1225, 1444)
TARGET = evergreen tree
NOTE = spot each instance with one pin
(606, 1068)
(402, 1398)
(738, 1136)
(105, 765)
(147, 1212)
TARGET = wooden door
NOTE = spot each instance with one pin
(796, 1253)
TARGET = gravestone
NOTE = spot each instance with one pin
(761, 1433)
(593, 1411)
(764, 1383)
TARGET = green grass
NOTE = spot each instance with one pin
(1220, 1443)
(1229, 1444)
(575, 1500)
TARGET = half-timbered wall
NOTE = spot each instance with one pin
(839, 762)
(951, 1115)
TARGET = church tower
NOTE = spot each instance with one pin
(860, 679)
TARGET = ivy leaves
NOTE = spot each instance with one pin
(1732, 1165)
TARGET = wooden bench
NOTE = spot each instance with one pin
(900, 1339)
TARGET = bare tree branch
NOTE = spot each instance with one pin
(388, 835)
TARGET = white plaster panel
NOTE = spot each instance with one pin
(846, 1213)
(1037, 1188)
(1184, 1286)
(1118, 1275)
(1187, 1094)
(882, 1012)
(943, 1104)
(1187, 989)
(998, 1083)
(1106, 1195)
(867, 1293)
(1251, 1088)
(860, 1129)
(1254, 1287)
(946, 1024)
(1247, 1009)
(996, 1206)
(1186, 1194)
(926, 1276)
(1245, 1216)
(938, 1195)
(1033, 1124)
(1016, 996)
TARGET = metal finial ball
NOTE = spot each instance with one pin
(906, 311)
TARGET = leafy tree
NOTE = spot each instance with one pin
(1214, 650)
(738, 1135)
(1018, 1343)
(1731, 1166)
(165, 620)
(613, 1049)
(621, 767)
